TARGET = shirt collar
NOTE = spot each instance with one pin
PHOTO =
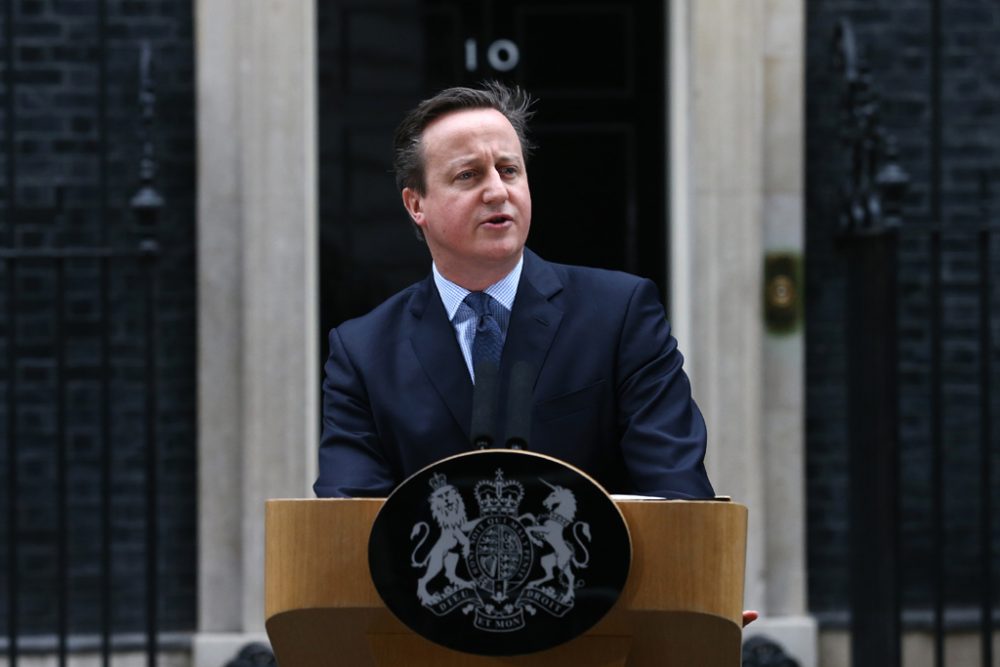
(452, 295)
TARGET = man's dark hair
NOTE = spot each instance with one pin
(408, 159)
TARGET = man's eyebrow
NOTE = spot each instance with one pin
(510, 157)
(473, 159)
(463, 159)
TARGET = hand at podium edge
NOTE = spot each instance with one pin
(749, 617)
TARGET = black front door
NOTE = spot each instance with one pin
(598, 178)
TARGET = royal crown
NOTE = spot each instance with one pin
(437, 480)
(499, 496)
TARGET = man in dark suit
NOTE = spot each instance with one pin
(609, 392)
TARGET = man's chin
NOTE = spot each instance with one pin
(500, 243)
(502, 253)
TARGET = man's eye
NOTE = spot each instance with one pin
(508, 171)
(465, 175)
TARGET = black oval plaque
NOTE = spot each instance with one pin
(499, 552)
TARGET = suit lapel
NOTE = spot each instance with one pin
(534, 319)
(440, 357)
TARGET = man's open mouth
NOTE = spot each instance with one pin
(498, 219)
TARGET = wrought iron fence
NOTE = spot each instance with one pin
(82, 383)
(895, 519)
(79, 403)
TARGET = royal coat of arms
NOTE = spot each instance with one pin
(502, 564)
(490, 552)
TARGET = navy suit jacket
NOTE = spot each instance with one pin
(610, 396)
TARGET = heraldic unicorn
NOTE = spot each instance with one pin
(501, 564)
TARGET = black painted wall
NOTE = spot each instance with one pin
(895, 36)
(57, 145)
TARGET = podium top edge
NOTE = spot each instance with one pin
(325, 500)
(719, 501)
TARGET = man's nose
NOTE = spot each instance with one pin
(494, 189)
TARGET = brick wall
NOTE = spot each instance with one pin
(895, 36)
(58, 195)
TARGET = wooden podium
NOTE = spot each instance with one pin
(682, 604)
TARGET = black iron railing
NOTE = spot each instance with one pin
(139, 261)
(875, 239)
(977, 243)
(120, 332)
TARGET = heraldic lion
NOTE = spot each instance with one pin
(448, 510)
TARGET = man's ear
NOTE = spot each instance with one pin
(414, 205)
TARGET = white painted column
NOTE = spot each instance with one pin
(737, 143)
(257, 280)
(725, 246)
(787, 618)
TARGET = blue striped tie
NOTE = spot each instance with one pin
(488, 342)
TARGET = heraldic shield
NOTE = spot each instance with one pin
(499, 552)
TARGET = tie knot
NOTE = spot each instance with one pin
(479, 303)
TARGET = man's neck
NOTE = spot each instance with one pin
(479, 278)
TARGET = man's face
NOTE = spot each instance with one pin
(476, 208)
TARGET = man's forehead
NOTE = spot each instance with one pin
(467, 127)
